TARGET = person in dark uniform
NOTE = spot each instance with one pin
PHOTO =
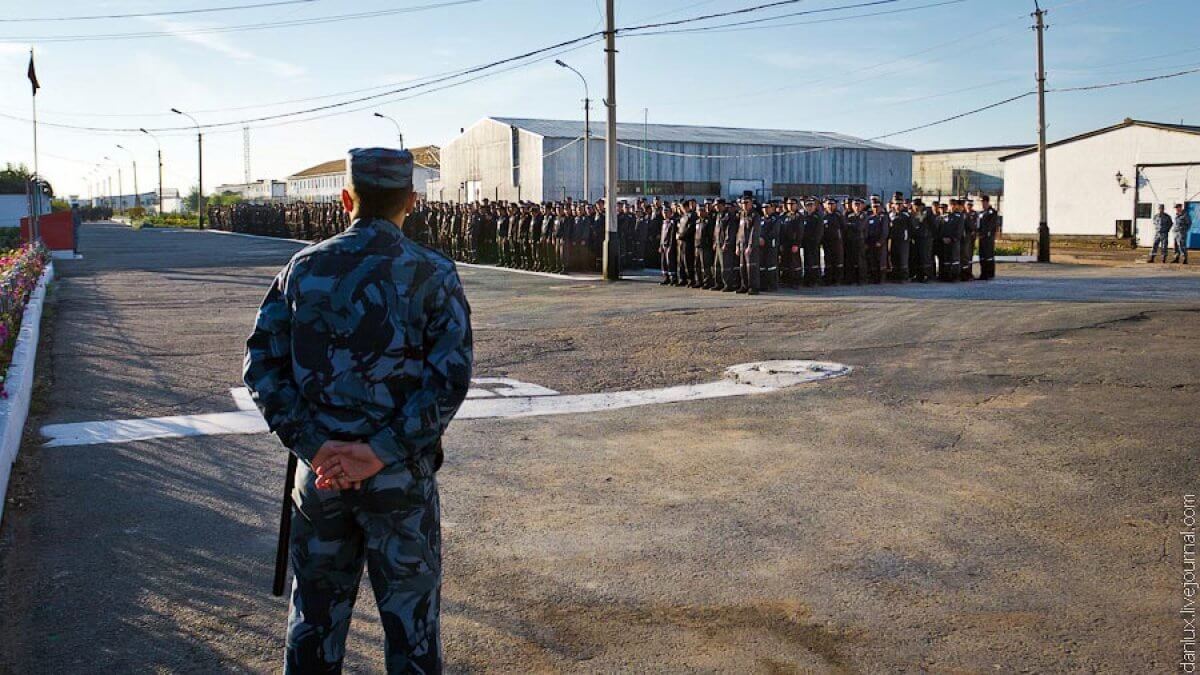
(876, 242)
(668, 249)
(989, 226)
(686, 243)
(725, 242)
(832, 244)
(360, 357)
(922, 228)
(748, 242)
(966, 256)
(854, 244)
(812, 234)
(769, 247)
(706, 226)
(790, 230)
(950, 227)
(899, 233)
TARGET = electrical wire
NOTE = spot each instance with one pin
(726, 29)
(177, 12)
(267, 25)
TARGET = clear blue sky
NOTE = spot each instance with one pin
(863, 77)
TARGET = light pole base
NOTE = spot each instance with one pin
(612, 259)
(1043, 243)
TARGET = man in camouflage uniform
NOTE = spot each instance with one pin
(361, 355)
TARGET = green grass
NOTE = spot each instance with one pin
(166, 220)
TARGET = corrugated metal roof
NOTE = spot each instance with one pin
(323, 169)
(678, 133)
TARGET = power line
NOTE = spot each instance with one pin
(1110, 85)
(204, 10)
(266, 25)
(731, 28)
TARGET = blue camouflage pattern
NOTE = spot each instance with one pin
(380, 168)
(364, 337)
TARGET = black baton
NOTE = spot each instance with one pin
(285, 528)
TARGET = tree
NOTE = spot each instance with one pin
(192, 201)
(14, 178)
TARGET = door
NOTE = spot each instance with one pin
(474, 187)
(1193, 211)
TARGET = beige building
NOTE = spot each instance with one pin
(324, 182)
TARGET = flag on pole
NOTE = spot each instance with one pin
(33, 74)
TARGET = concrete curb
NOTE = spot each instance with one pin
(15, 408)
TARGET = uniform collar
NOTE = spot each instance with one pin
(379, 225)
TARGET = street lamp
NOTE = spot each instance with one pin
(399, 133)
(137, 196)
(120, 189)
(199, 165)
(160, 191)
(587, 133)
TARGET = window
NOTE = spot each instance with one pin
(516, 156)
(818, 189)
(1145, 211)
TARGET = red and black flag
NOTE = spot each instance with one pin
(33, 74)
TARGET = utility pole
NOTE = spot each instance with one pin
(246, 153)
(199, 165)
(137, 196)
(160, 189)
(612, 243)
(645, 149)
(1043, 222)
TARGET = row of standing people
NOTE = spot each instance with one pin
(808, 242)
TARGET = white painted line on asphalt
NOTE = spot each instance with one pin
(253, 236)
(548, 275)
(505, 398)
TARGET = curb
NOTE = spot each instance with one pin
(15, 408)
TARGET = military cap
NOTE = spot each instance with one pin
(830, 200)
(380, 168)
(859, 200)
(722, 201)
(919, 201)
(897, 196)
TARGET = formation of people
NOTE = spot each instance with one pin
(750, 248)
(733, 246)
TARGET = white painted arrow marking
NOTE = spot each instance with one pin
(489, 398)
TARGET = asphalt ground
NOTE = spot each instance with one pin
(997, 487)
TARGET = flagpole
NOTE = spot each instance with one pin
(34, 233)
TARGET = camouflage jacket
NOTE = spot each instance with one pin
(365, 336)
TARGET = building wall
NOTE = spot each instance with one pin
(1084, 196)
(324, 188)
(881, 171)
(957, 173)
(15, 207)
(479, 163)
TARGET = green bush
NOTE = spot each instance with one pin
(10, 238)
(1010, 249)
(166, 220)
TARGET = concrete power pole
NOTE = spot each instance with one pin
(1043, 222)
(612, 243)
(246, 152)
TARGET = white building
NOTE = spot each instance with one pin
(258, 191)
(324, 182)
(171, 201)
(1106, 182)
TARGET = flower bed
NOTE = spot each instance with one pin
(20, 271)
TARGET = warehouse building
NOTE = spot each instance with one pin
(961, 171)
(510, 159)
(1107, 182)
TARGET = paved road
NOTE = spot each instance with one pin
(996, 487)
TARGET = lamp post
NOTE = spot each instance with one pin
(399, 134)
(199, 165)
(137, 196)
(160, 190)
(120, 188)
(587, 132)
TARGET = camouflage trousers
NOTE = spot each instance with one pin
(393, 524)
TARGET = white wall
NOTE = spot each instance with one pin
(15, 207)
(1084, 197)
(483, 153)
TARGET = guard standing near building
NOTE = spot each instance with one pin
(361, 392)
(686, 243)
(876, 242)
(748, 242)
(668, 249)
(832, 244)
(706, 224)
(854, 234)
(769, 255)
(812, 234)
(966, 257)
(1179, 233)
(899, 231)
(989, 224)
(725, 238)
(791, 268)
(921, 229)
(1162, 233)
